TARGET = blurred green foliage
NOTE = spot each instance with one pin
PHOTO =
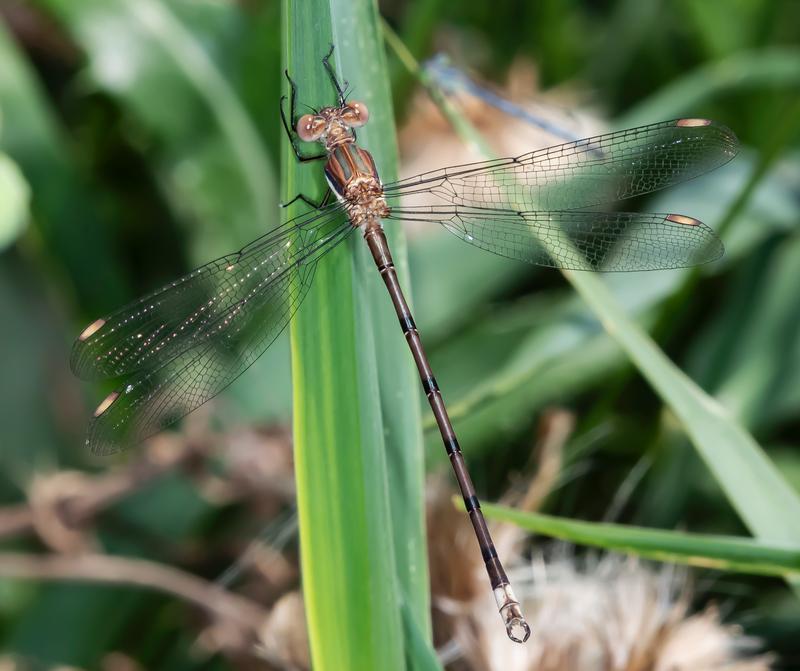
(143, 138)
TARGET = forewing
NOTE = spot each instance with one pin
(223, 349)
(580, 240)
(154, 329)
(585, 173)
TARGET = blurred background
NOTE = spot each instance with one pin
(140, 139)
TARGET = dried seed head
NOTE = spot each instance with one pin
(613, 615)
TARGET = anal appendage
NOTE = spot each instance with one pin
(517, 627)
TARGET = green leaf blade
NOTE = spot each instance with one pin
(355, 398)
(709, 551)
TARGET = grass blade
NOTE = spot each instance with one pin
(163, 76)
(726, 553)
(752, 483)
(419, 653)
(773, 68)
(356, 554)
(361, 56)
(165, 29)
(40, 150)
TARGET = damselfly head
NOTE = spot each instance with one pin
(333, 122)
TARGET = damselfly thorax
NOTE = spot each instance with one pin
(350, 170)
(353, 177)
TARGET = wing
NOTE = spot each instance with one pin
(580, 240)
(154, 329)
(585, 173)
(153, 398)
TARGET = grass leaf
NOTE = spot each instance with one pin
(355, 398)
(776, 67)
(160, 71)
(726, 553)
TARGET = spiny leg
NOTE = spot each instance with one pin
(340, 90)
(303, 158)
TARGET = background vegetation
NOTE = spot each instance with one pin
(139, 139)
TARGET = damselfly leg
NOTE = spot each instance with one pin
(340, 90)
(305, 199)
(288, 127)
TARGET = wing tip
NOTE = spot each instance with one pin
(714, 251)
(96, 438)
(711, 251)
(728, 137)
(100, 448)
(78, 365)
(78, 356)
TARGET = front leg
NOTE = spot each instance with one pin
(340, 90)
(302, 158)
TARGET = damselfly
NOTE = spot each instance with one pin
(454, 82)
(181, 345)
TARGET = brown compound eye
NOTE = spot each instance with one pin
(355, 114)
(310, 127)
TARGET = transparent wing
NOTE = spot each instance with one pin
(585, 173)
(154, 329)
(153, 398)
(579, 240)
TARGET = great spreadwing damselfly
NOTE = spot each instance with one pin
(181, 345)
(454, 82)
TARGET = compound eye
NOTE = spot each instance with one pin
(355, 114)
(310, 127)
